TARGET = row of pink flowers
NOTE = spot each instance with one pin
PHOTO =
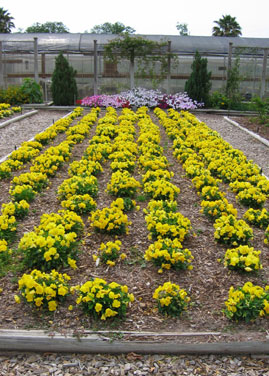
(139, 97)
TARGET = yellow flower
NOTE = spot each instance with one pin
(72, 263)
(52, 305)
(62, 290)
(110, 263)
(98, 307)
(17, 299)
(38, 302)
(110, 313)
(116, 304)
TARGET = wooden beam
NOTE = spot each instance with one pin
(39, 341)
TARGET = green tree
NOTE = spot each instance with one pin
(112, 28)
(63, 87)
(183, 29)
(198, 85)
(48, 27)
(233, 84)
(6, 23)
(227, 27)
(130, 47)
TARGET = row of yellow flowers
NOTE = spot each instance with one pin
(23, 189)
(204, 156)
(229, 229)
(30, 149)
(122, 187)
(54, 243)
(165, 224)
(7, 110)
(44, 290)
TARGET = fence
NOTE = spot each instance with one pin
(95, 75)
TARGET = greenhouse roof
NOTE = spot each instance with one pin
(84, 43)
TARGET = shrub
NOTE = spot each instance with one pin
(110, 221)
(232, 231)
(198, 85)
(54, 249)
(32, 91)
(13, 95)
(79, 203)
(262, 107)
(252, 197)
(63, 87)
(256, 217)
(5, 253)
(166, 254)
(161, 189)
(171, 299)
(215, 209)
(77, 185)
(36, 180)
(19, 209)
(22, 192)
(8, 227)
(122, 184)
(109, 253)
(84, 167)
(44, 290)
(247, 303)
(125, 204)
(242, 258)
(218, 100)
(104, 300)
(167, 224)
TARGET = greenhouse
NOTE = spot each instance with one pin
(33, 55)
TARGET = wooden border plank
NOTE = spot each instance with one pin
(39, 341)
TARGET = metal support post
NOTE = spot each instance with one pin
(1, 67)
(36, 59)
(169, 67)
(263, 80)
(95, 80)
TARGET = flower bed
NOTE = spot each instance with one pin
(139, 97)
(164, 248)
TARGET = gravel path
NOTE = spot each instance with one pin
(23, 130)
(132, 364)
(239, 139)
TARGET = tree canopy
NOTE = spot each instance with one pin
(130, 47)
(48, 27)
(227, 27)
(6, 23)
(198, 85)
(63, 86)
(112, 28)
(183, 29)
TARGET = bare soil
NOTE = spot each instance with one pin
(252, 124)
(207, 284)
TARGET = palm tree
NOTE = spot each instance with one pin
(227, 27)
(6, 23)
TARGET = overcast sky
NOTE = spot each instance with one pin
(145, 16)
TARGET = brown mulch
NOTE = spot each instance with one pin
(253, 125)
(207, 284)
